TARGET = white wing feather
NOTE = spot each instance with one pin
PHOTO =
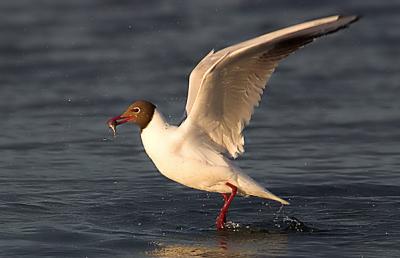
(225, 86)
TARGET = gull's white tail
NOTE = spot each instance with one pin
(248, 186)
(271, 196)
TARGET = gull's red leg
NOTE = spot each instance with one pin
(225, 196)
(221, 219)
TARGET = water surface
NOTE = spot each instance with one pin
(326, 136)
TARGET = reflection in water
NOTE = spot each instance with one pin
(227, 244)
(180, 250)
(235, 241)
(258, 239)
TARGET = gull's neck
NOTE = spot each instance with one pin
(155, 135)
(156, 124)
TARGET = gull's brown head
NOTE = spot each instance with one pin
(140, 112)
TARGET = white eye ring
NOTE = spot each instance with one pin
(136, 109)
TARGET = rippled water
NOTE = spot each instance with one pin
(326, 136)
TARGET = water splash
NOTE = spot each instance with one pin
(280, 213)
(280, 223)
(295, 225)
(230, 225)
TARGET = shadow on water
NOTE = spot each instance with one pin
(238, 240)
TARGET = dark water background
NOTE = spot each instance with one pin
(326, 136)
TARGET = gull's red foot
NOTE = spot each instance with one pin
(221, 219)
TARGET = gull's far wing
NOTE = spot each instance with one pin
(225, 86)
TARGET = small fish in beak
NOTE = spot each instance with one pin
(112, 124)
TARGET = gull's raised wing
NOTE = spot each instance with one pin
(225, 86)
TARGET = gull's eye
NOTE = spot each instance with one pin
(136, 110)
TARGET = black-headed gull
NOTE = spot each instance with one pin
(224, 88)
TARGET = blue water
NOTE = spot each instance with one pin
(326, 136)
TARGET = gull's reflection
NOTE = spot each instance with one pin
(228, 243)
(267, 238)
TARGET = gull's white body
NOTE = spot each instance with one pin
(187, 158)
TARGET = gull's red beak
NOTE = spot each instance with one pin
(118, 120)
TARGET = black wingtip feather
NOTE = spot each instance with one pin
(343, 22)
(349, 19)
